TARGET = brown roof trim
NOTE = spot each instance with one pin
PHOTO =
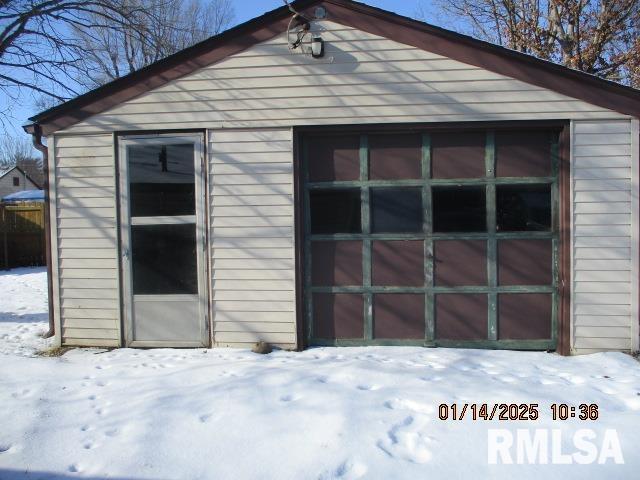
(459, 47)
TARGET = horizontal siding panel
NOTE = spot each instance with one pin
(90, 222)
(90, 342)
(258, 210)
(87, 212)
(266, 221)
(86, 192)
(93, 333)
(600, 344)
(230, 136)
(95, 283)
(609, 161)
(622, 333)
(89, 274)
(620, 138)
(282, 146)
(224, 274)
(253, 296)
(605, 322)
(603, 253)
(257, 317)
(88, 263)
(252, 201)
(255, 179)
(88, 253)
(84, 172)
(89, 182)
(87, 233)
(255, 327)
(218, 158)
(90, 202)
(83, 323)
(598, 173)
(251, 168)
(91, 141)
(602, 184)
(249, 242)
(93, 293)
(602, 276)
(602, 230)
(603, 298)
(603, 207)
(584, 264)
(602, 309)
(320, 112)
(257, 285)
(602, 219)
(261, 232)
(255, 263)
(257, 253)
(92, 314)
(603, 128)
(265, 306)
(89, 303)
(602, 287)
(603, 196)
(602, 150)
(249, 337)
(239, 190)
(610, 242)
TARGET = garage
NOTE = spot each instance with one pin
(445, 236)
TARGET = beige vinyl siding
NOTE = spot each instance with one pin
(602, 241)
(362, 79)
(86, 240)
(252, 243)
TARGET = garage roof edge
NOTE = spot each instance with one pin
(513, 64)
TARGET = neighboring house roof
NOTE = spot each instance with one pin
(6, 171)
(373, 20)
(25, 196)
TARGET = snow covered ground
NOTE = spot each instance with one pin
(321, 414)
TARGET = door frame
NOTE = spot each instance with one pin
(563, 322)
(121, 141)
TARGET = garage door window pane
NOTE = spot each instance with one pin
(334, 158)
(459, 209)
(396, 210)
(395, 157)
(335, 211)
(523, 208)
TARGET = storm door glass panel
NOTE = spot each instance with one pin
(161, 180)
(164, 259)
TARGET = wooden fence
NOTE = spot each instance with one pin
(22, 235)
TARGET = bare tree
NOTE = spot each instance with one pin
(596, 36)
(47, 46)
(112, 53)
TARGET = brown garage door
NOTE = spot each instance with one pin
(431, 238)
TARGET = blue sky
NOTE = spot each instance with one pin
(244, 10)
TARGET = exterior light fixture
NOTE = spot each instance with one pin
(317, 47)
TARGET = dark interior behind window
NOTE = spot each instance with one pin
(335, 211)
(459, 209)
(523, 208)
(396, 210)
